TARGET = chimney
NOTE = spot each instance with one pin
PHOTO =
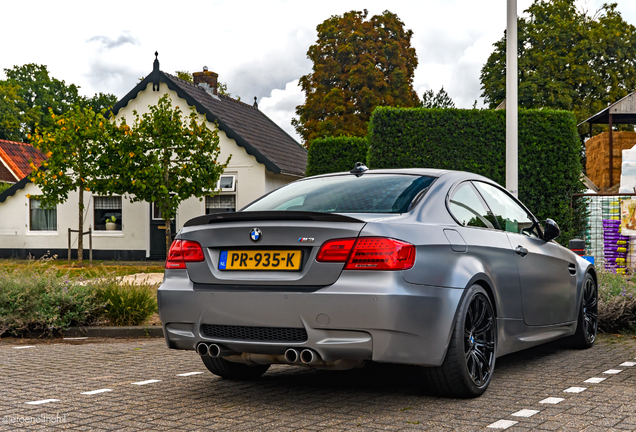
(206, 79)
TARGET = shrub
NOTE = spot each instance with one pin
(475, 141)
(327, 155)
(617, 303)
(41, 301)
(126, 304)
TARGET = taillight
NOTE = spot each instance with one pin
(369, 253)
(183, 251)
(335, 250)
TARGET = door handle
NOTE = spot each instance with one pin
(521, 251)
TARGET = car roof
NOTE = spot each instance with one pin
(432, 172)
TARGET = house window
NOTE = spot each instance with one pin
(220, 204)
(107, 208)
(40, 218)
(227, 183)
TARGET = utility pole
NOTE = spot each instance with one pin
(512, 117)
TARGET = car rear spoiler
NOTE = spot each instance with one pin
(269, 215)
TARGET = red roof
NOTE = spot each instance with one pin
(18, 156)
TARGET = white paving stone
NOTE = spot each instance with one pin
(575, 390)
(146, 382)
(96, 391)
(612, 371)
(43, 401)
(502, 424)
(551, 400)
(23, 347)
(628, 364)
(525, 413)
(594, 380)
(190, 374)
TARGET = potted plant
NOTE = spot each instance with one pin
(110, 224)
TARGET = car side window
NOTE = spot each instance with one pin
(468, 209)
(510, 215)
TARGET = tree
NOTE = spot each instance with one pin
(72, 143)
(12, 118)
(165, 158)
(38, 92)
(358, 64)
(568, 59)
(184, 75)
(439, 100)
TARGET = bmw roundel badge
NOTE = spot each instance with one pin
(256, 234)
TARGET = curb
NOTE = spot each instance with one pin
(108, 332)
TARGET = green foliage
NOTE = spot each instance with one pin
(165, 158)
(439, 100)
(40, 300)
(617, 302)
(73, 143)
(184, 75)
(358, 64)
(567, 59)
(474, 141)
(331, 154)
(126, 304)
(31, 93)
(4, 186)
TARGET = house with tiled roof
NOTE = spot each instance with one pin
(15, 159)
(263, 158)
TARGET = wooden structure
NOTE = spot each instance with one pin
(621, 112)
(598, 154)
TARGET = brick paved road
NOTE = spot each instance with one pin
(294, 398)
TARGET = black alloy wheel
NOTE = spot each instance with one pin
(587, 324)
(590, 309)
(470, 359)
(479, 339)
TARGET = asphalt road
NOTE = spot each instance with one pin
(141, 385)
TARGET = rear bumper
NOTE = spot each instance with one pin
(364, 315)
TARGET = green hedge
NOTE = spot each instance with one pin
(327, 155)
(475, 141)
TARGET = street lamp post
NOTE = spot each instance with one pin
(512, 159)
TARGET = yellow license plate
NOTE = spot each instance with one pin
(260, 260)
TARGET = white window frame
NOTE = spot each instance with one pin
(231, 188)
(28, 231)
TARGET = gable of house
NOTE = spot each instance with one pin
(249, 127)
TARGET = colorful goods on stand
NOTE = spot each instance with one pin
(615, 245)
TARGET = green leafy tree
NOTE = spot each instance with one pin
(164, 157)
(568, 59)
(72, 143)
(359, 64)
(439, 100)
(184, 75)
(12, 119)
(38, 92)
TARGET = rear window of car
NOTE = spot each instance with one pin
(370, 193)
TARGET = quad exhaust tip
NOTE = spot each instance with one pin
(202, 349)
(308, 356)
(292, 355)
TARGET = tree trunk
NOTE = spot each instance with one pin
(80, 238)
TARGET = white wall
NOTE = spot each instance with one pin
(15, 233)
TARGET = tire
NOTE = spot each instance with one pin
(587, 323)
(470, 360)
(234, 371)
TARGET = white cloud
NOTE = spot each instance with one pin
(281, 105)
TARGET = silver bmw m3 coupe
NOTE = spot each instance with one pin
(441, 269)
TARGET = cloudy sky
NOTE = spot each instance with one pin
(257, 47)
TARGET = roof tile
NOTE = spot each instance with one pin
(18, 157)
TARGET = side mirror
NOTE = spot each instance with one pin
(550, 230)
